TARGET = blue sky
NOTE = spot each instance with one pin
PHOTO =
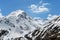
(34, 8)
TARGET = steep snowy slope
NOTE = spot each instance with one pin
(51, 31)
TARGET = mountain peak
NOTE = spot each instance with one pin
(16, 13)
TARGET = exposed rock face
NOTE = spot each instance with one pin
(35, 35)
(52, 30)
(3, 33)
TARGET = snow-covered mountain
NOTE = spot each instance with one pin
(17, 24)
(51, 31)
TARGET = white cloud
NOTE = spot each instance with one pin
(39, 8)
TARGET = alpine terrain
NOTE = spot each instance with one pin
(19, 26)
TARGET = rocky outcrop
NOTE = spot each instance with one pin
(3, 33)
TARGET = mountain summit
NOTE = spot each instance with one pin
(16, 13)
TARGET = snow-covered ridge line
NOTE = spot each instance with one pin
(16, 13)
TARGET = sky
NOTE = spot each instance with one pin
(34, 8)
